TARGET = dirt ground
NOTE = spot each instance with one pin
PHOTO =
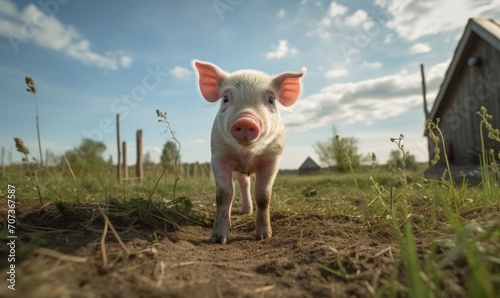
(60, 254)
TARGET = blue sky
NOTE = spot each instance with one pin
(93, 59)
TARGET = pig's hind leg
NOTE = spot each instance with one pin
(246, 198)
(264, 180)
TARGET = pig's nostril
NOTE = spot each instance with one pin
(245, 129)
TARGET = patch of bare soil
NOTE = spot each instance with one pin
(63, 254)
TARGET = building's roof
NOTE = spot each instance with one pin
(486, 29)
(309, 164)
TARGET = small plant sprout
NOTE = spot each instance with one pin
(347, 157)
(31, 88)
(405, 153)
(398, 141)
(300, 241)
(32, 168)
(431, 127)
(493, 133)
(163, 118)
(487, 157)
(435, 139)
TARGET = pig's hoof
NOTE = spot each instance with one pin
(263, 236)
(246, 210)
(263, 232)
(217, 239)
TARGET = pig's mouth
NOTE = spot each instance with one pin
(245, 129)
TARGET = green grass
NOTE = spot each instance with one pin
(379, 196)
(437, 222)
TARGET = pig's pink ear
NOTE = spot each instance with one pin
(288, 85)
(210, 78)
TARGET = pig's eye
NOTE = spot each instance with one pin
(270, 100)
(225, 98)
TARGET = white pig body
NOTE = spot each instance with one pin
(248, 137)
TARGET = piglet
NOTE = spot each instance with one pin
(248, 137)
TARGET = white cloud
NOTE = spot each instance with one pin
(197, 142)
(364, 101)
(8, 8)
(420, 48)
(34, 25)
(438, 70)
(153, 151)
(281, 13)
(359, 18)
(337, 72)
(180, 72)
(336, 9)
(371, 65)
(334, 12)
(281, 51)
(125, 61)
(325, 22)
(413, 19)
(320, 32)
(388, 38)
(382, 3)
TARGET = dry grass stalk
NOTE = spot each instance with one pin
(107, 223)
(70, 169)
(59, 255)
(31, 88)
(265, 289)
(103, 244)
(21, 148)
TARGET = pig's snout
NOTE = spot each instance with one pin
(245, 128)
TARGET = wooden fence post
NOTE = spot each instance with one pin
(139, 169)
(124, 160)
(118, 168)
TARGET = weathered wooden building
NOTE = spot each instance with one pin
(471, 81)
(308, 167)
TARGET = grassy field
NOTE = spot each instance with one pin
(443, 238)
(371, 232)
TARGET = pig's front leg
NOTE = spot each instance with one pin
(264, 180)
(224, 193)
(246, 198)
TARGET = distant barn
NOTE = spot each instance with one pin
(471, 81)
(308, 167)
